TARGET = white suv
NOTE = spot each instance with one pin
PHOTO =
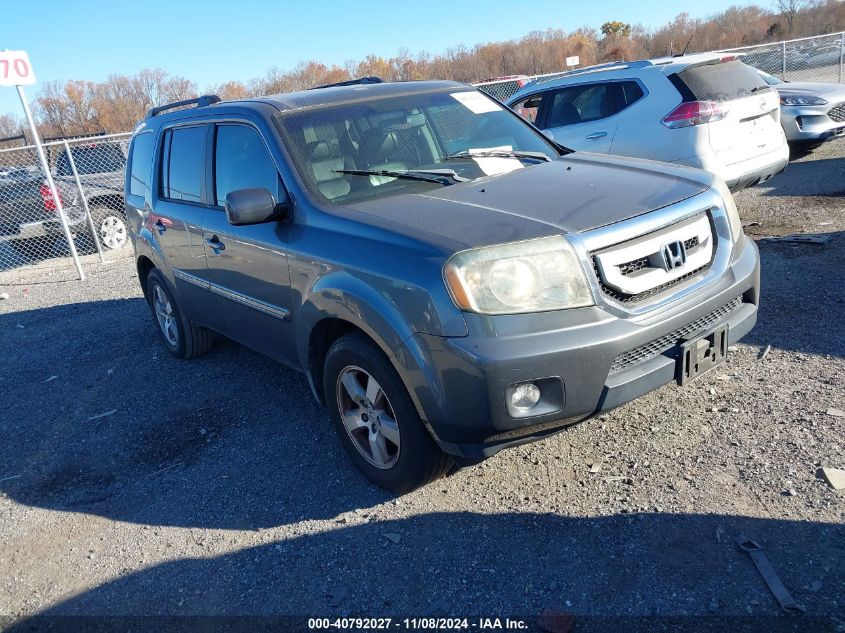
(707, 111)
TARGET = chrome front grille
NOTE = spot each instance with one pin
(637, 269)
(669, 341)
(837, 113)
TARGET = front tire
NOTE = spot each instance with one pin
(375, 418)
(182, 338)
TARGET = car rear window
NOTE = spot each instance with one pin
(721, 81)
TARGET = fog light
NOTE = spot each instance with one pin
(525, 396)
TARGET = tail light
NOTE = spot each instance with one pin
(695, 113)
(47, 197)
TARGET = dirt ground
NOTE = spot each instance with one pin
(135, 484)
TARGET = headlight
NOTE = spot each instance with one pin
(794, 100)
(730, 208)
(529, 276)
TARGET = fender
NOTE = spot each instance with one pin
(341, 295)
(146, 246)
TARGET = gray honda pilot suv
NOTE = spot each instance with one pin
(450, 281)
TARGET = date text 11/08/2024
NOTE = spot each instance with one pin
(416, 624)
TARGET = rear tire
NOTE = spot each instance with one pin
(182, 338)
(375, 418)
(111, 227)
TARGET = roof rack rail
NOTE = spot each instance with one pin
(352, 82)
(204, 100)
(589, 69)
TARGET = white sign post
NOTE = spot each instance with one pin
(15, 70)
(573, 61)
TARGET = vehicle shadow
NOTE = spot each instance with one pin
(823, 177)
(98, 418)
(511, 564)
(801, 307)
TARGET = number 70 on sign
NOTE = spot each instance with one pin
(15, 69)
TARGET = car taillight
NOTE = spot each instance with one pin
(47, 197)
(695, 113)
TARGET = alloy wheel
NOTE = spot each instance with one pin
(165, 316)
(368, 417)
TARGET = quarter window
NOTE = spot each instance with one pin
(527, 108)
(141, 158)
(631, 93)
(241, 161)
(182, 163)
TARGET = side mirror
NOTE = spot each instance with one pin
(253, 206)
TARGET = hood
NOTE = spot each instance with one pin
(815, 88)
(579, 192)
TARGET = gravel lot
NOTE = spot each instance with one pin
(217, 486)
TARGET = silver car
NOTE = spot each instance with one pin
(811, 112)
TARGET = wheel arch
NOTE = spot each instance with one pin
(144, 265)
(112, 201)
(341, 303)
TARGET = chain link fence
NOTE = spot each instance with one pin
(34, 226)
(818, 58)
(89, 172)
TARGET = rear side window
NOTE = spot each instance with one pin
(724, 81)
(580, 104)
(183, 161)
(141, 154)
(241, 161)
(100, 158)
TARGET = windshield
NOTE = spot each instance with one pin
(389, 146)
(769, 79)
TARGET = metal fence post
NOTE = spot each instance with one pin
(72, 164)
(45, 167)
(783, 66)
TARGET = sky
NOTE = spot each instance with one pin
(210, 41)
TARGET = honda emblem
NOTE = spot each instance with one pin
(674, 255)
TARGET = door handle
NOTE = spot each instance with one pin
(215, 244)
(596, 135)
(162, 224)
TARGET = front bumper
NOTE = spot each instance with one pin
(459, 384)
(810, 124)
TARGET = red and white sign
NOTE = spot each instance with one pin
(15, 69)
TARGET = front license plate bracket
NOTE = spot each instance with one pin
(702, 353)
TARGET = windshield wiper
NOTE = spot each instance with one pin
(496, 153)
(756, 88)
(441, 176)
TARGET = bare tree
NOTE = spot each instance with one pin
(119, 102)
(789, 9)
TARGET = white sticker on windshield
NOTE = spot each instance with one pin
(495, 165)
(476, 102)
